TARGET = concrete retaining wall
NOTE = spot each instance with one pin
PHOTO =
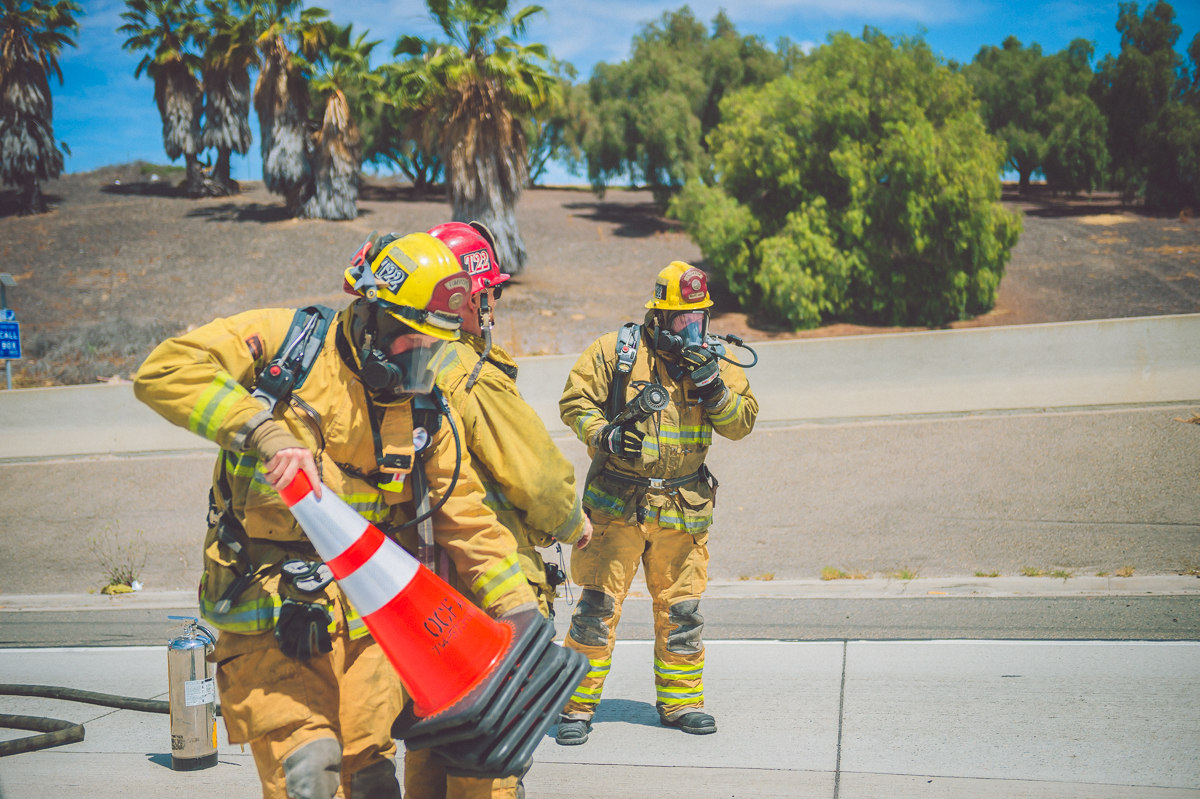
(1073, 364)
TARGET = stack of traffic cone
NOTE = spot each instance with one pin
(484, 692)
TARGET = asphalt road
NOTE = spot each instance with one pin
(1080, 491)
(1062, 618)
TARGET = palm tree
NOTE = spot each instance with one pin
(392, 139)
(32, 33)
(167, 28)
(229, 53)
(349, 86)
(290, 43)
(477, 91)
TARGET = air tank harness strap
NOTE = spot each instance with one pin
(703, 473)
(649, 482)
(231, 533)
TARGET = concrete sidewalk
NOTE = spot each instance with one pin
(845, 719)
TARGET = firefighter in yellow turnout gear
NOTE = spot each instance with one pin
(301, 680)
(530, 484)
(652, 502)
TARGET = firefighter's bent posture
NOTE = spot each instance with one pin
(301, 680)
(653, 500)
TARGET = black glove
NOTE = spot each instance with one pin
(624, 441)
(303, 629)
(705, 372)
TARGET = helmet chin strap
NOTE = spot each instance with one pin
(485, 327)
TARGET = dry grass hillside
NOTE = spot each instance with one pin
(123, 261)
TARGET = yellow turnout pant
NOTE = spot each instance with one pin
(301, 718)
(676, 571)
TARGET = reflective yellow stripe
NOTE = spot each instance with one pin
(242, 465)
(573, 522)
(498, 580)
(599, 668)
(602, 501)
(213, 405)
(370, 506)
(255, 616)
(691, 524)
(679, 696)
(683, 671)
(682, 435)
(583, 421)
(729, 414)
(396, 484)
(355, 626)
(452, 360)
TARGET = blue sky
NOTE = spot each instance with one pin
(106, 116)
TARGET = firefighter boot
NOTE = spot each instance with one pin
(693, 723)
(572, 732)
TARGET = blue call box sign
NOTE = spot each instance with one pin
(10, 341)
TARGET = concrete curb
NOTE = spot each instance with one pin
(878, 588)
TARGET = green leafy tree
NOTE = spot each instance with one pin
(1034, 102)
(230, 51)
(291, 39)
(32, 34)
(650, 114)
(1133, 87)
(1143, 92)
(347, 89)
(862, 187)
(474, 93)
(168, 29)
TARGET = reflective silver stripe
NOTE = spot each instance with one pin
(376, 582)
(572, 523)
(333, 526)
(329, 523)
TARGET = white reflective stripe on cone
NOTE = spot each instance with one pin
(376, 582)
(330, 524)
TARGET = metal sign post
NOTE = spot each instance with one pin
(10, 329)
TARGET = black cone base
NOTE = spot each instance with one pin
(493, 730)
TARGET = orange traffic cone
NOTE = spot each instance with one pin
(440, 644)
(484, 692)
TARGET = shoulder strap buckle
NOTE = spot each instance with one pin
(288, 370)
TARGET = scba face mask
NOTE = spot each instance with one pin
(681, 330)
(411, 367)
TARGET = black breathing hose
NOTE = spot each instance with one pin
(453, 480)
(737, 342)
(57, 732)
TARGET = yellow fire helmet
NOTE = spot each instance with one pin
(680, 287)
(416, 279)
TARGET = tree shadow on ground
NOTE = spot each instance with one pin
(144, 188)
(394, 192)
(242, 212)
(634, 220)
(1044, 203)
(10, 202)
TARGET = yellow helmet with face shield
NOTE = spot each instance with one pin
(680, 299)
(416, 279)
(413, 287)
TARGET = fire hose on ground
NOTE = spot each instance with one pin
(57, 732)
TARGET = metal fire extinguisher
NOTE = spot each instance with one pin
(193, 697)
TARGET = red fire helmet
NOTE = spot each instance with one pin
(472, 243)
